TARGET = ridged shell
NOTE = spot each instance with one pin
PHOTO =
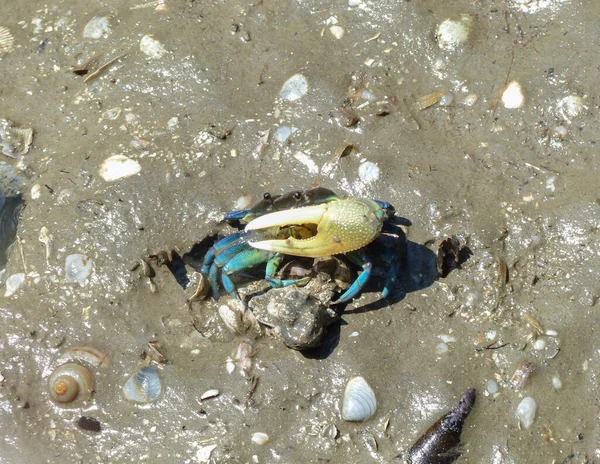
(359, 401)
(6, 40)
(71, 381)
(143, 386)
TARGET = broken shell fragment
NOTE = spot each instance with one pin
(14, 141)
(143, 386)
(6, 41)
(89, 354)
(69, 382)
(441, 442)
(210, 394)
(118, 167)
(97, 28)
(152, 47)
(294, 88)
(78, 268)
(359, 402)
(454, 32)
(571, 106)
(13, 283)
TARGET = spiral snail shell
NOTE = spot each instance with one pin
(70, 382)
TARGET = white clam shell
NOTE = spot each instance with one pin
(143, 386)
(118, 167)
(526, 411)
(359, 402)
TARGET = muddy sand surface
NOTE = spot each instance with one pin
(483, 128)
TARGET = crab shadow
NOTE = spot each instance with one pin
(418, 272)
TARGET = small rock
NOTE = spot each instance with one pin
(89, 423)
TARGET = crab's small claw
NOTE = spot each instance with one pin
(342, 226)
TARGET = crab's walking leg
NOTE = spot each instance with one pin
(359, 257)
(242, 260)
(272, 267)
(395, 257)
(216, 249)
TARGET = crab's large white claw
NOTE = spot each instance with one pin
(342, 226)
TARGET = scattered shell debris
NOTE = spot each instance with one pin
(78, 268)
(48, 240)
(513, 97)
(152, 47)
(7, 41)
(14, 140)
(454, 32)
(118, 167)
(526, 411)
(359, 403)
(294, 88)
(97, 28)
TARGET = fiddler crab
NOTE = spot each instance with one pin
(311, 224)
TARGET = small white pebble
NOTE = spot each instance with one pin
(470, 99)
(447, 338)
(550, 186)
(551, 332)
(337, 31)
(513, 96)
(260, 438)
(556, 382)
(441, 348)
(492, 386)
(526, 411)
(354, 334)
(354, 2)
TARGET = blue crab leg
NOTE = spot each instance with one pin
(217, 248)
(242, 260)
(360, 258)
(393, 257)
(272, 267)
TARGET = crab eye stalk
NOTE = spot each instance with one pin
(297, 196)
(267, 196)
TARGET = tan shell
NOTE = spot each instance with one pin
(71, 381)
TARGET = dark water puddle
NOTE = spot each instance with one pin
(10, 211)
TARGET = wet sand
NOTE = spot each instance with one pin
(517, 186)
